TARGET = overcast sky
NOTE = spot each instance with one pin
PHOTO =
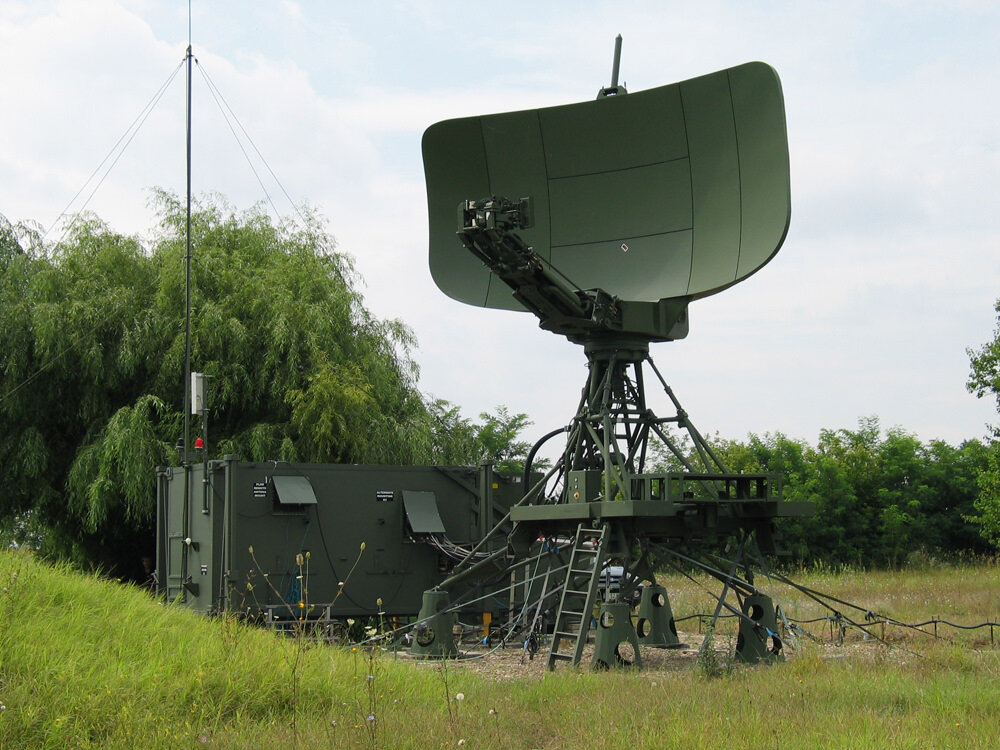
(889, 271)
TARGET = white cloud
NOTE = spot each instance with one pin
(888, 273)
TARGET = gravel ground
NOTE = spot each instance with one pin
(513, 662)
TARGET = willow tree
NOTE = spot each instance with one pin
(92, 384)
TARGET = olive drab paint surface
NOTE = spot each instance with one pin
(674, 192)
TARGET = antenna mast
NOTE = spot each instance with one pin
(185, 407)
(187, 265)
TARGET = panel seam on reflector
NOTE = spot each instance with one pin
(686, 157)
(548, 180)
(614, 238)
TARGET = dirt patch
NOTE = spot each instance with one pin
(513, 662)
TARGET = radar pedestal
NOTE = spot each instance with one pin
(433, 635)
(758, 639)
(655, 624)
(616, 644)
(606, 219)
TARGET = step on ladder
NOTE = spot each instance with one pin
(586, 561)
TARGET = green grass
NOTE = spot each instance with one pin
(90, 663)
(963, 594)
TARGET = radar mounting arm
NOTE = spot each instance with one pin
(488, 229)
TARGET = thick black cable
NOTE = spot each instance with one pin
(722, 603)
(814, 595)
(870, 616)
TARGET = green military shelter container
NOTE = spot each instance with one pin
(415, 523)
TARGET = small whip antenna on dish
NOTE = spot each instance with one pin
(614, 88)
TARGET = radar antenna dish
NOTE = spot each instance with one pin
(605, 219)
(676, 192)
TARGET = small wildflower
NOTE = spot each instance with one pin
(333, 723)
(371, 677)
(350, 621)
(203, 738)
(493, 712)
(460, 742)
(251, 549)
(379, 602)
(371, 717)
(299, 560)
(460, 696)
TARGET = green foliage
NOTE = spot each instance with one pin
(92, 381)
(458, 441)
(987, 504)
(880, 496)
(984, 379)
(156, 676)
(498, 438)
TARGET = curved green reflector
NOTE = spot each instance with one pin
(677, 191)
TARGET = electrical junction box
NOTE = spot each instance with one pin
(584, 486)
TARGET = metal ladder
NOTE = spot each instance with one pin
(586, 561)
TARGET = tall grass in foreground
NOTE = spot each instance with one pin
(89, 663)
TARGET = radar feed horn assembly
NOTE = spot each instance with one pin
(606, 219)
